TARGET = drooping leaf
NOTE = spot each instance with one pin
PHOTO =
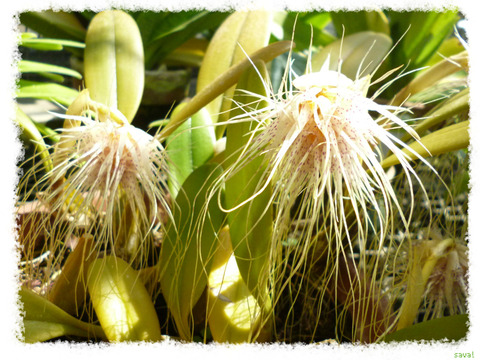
(163, 32)
(54, 24)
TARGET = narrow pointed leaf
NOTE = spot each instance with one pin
(48, 91)
(450, 138)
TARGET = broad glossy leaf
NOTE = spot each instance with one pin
(114, 67)
(189, 245)
(121, 302)
(241, 33)
(44, 320)
(189, 146)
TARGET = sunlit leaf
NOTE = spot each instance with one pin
(114, 68)
(241, 34)
(121, 302)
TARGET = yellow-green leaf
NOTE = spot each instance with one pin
(450, 138)
(114, 65)
(44, 321)
(234, 315)
(241, 33)
(121, 302)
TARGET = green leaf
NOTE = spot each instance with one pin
(26, 66)
(114, 68)
(189, 146)
(450, 327)
(53, 92)
(44, 320)
(241, 33)
(48, 44)
(307, 28)
(251, 225)
(431, 76)
(162, 32)
(189, 245)
(420, 34)
(450, 138)
(351, 22)
(121, 301)
(54, 24)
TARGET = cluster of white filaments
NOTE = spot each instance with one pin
(322, 144)
(108, 180)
